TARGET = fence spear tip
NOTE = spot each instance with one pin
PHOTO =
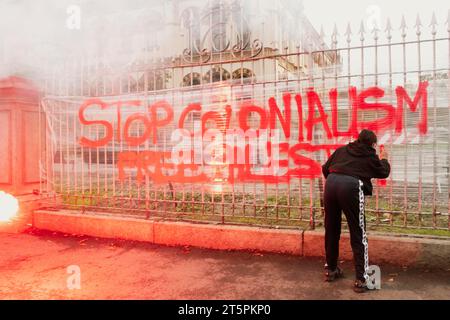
(322, 33)
(403, 26)
(433, 24)
(403, 23)
(388, 25)
(418, 24)
(375, 30)
(348, 33)
(322, 37)
(388, 28)
(362, 30)
(433, 19)
(334, 35)
(448, 20)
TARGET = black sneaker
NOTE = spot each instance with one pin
(360, 286)
(331, 275)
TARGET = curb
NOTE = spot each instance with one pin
(392, 249)
(208, 236)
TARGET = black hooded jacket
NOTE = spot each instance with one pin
(360, 161)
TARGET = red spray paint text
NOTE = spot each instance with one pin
(293, 160)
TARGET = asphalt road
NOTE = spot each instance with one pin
(36, 265)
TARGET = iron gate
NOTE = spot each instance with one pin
(234, 128)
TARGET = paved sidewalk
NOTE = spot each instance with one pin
(34, 266)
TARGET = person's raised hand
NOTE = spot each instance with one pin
(383, 152)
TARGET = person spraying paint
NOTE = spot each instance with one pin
(348, 174)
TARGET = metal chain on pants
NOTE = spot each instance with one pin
(364, 235)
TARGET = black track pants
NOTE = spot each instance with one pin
(344, 193)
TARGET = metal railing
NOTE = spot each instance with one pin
(114, 137)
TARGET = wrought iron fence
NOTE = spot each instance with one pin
(236, 132)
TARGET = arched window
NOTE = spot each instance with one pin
(191, 79)
(216, 74)
(243, 75)
(151, 80)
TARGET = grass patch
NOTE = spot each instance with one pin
(271, 210)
